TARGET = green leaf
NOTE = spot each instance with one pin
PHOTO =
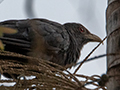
(7, 30)
(1, 45)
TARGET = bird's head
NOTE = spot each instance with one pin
(81, 34)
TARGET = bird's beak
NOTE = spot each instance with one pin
(94, 38)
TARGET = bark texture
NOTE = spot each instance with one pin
(113, 44)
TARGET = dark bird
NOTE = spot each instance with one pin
(47, 39)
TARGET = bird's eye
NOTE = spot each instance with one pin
(81, 30)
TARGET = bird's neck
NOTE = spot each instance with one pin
(73, 53)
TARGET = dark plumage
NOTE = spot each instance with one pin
(49, 40)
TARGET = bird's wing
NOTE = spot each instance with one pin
(19, 42)
(38, 34)
(49, 37)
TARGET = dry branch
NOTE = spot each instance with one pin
(48, 75)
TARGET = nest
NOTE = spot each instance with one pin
(45, 75)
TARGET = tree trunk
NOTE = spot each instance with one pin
(113, 44)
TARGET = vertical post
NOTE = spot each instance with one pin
(113, 43)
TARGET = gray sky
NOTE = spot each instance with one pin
(90, 13)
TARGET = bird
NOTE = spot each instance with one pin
(48, 40)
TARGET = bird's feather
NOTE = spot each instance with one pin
(47, 39)
(37, 37)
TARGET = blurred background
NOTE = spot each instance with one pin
(90, 13)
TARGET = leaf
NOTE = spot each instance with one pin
(1, 45)
(7, 30)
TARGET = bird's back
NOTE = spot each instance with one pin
(39, 38)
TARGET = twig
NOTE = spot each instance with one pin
(88, 55)
(29, 8)
(97, 57)
(1, 1)
(90, 59)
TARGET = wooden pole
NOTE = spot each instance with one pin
(113, 44)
